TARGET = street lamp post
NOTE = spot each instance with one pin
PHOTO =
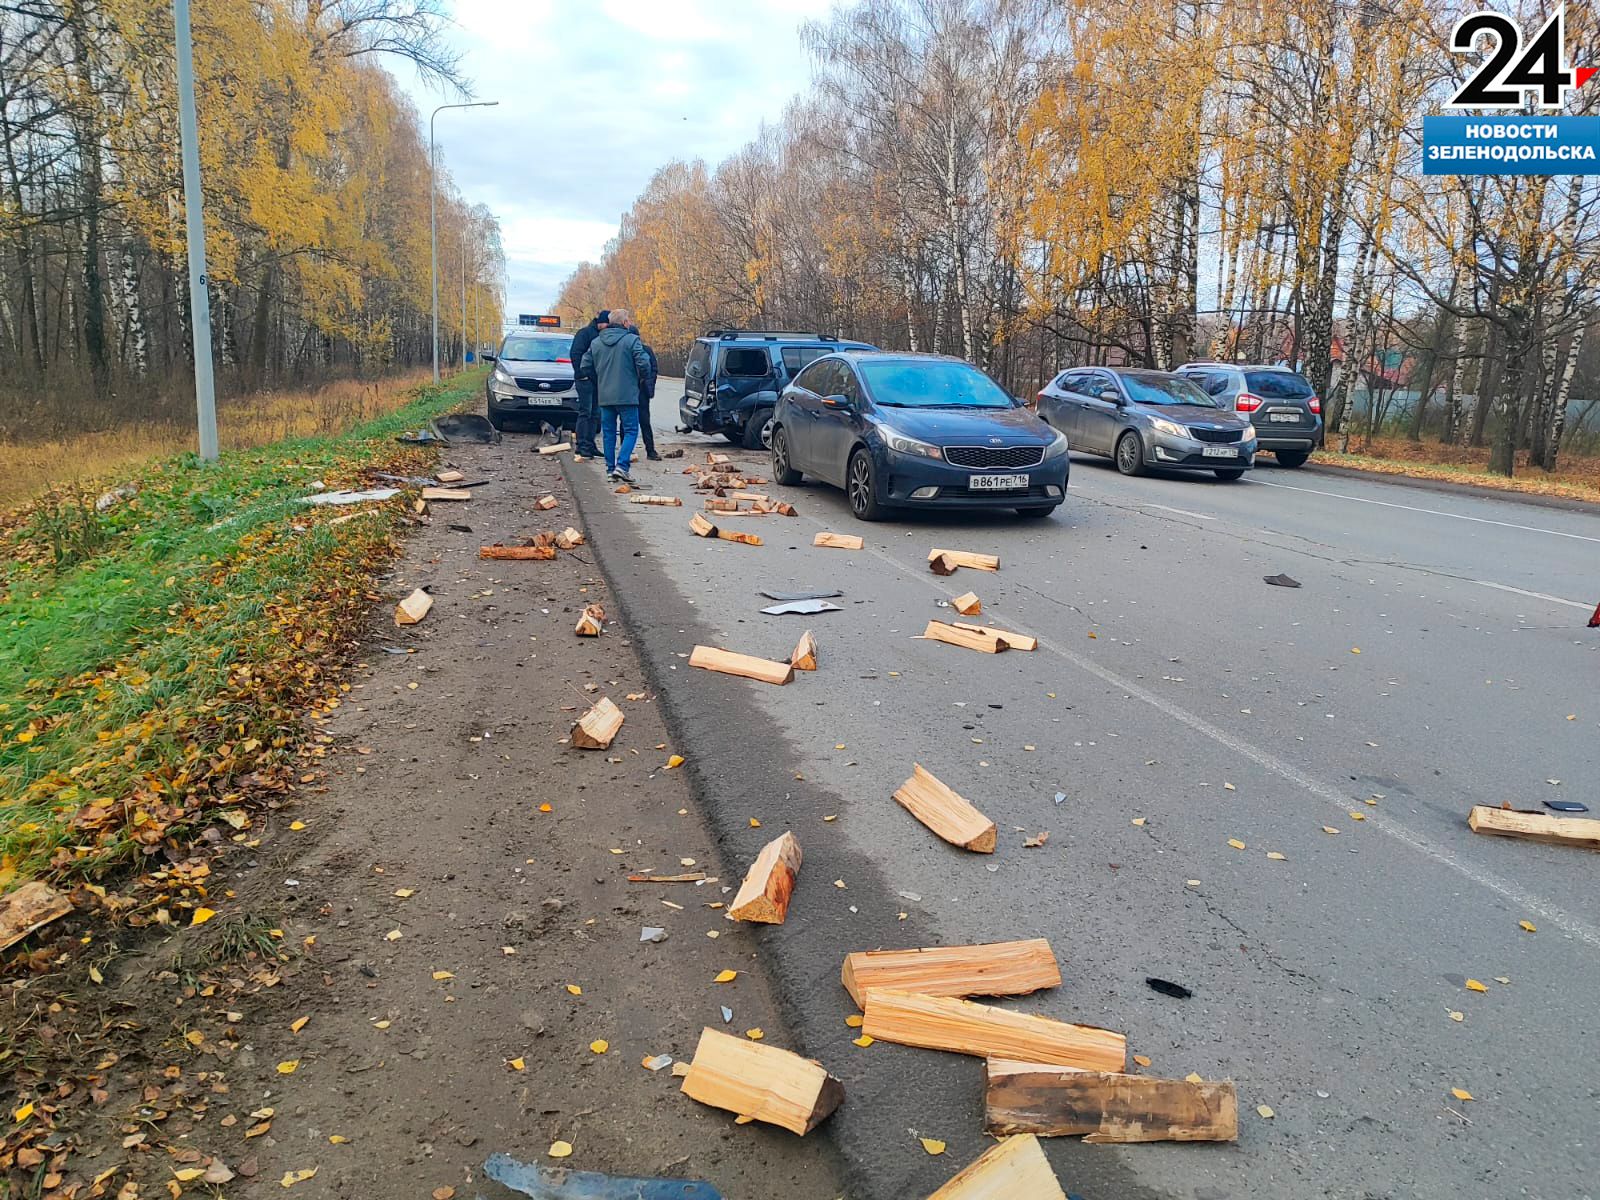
(433, 216)
(205, 393)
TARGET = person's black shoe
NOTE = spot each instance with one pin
(653, 456)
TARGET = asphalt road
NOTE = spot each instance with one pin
(1434, 658)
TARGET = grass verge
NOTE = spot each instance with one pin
(157, 658)
(1577, 479)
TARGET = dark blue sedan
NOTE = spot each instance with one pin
(915, 431)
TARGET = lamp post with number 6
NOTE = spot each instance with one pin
(433, 217)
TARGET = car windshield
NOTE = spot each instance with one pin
(537, 349)
(924, 384)
(1154, 388)
(1277, 385)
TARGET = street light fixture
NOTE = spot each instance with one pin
(433, 217)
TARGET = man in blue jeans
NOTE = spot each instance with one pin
(616, 361)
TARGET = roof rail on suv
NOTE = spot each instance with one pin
(729, 335)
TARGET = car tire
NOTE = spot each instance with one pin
(1291, 458)
(756, 429)
(496, 420)
(782, 468)
(1129, 454)
(1229, 474)
(861, 487)
(1036, 514)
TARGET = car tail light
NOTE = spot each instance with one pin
(1247, 403)
(1316, 405)
(568, 361)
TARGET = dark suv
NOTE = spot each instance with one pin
(733, 376)
(1279, 402)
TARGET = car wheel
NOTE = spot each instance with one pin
(782, 470)
(1035, 514)
(736, 436)
(1130, 454)
(1291, 458)
(496, 420)
(861, 487)
(1229, 474)
(758, 430)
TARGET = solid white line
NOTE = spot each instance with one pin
(1504, 888)
(1182, 512)
(1432, 512)
(1506, 587)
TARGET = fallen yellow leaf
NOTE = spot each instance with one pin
(600, 1045)
(865, 1040)
(574, 989)
(726, 977)
(545, 808)
(405, 893)
(1276, 857)
(854, 1020)
(1528, 926)
(188, 1174)
(23, 1113)
(932, 1145)
(1192, 1077)
(1355, 649)
(1474, 986)
(194, 1037)
(1266, 1111)
(1236, 843)
(1457, 1016)
(338, 1139)
(290, 1178)
(289, 1066)
(1142, 1059)
(1358, 816)
(297, 825)
(754, 824)
(94, 974)
(394, 935)
(297, 1026)
(1138, 821)
(516, 1064)
(441, 976)
(1329, 829)
(200, 916)
(1461, 1093)
(755, 1035)
(673, 762)
(382, 1024)
(560, 1149)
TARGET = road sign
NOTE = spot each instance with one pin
(542, 320)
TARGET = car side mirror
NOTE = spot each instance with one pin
(487, 357)
(1112, 395)
(842, 403)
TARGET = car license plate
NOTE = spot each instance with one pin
(1284, 417)
(997, 483)
(1220, 452)
(545, 401)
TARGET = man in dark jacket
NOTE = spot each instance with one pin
(616, 361)
(588, 418)
(647, 392)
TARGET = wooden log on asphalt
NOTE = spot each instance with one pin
(995, 969)
(970, 637)
(736, 535)
(717, 460)
(592, 621)
(531, 553)
(753, 497)
(546, 502)
(709, 658)
(759, 1081)
(662, 501)
(1536, 827)
(31, 906)
(558, 448)
(945, 812)
(965, 558)
(942, 565)
(701, 527)
(448, 477)
(764, 894)
(413, 608)
(569, 538)
(785, 509)
(1026, 1097)
(721, 506)
(804, 657)
(967, 604)
(1014, 1169)
(962, 1027)
(1013, 641)
(595, 729)
(444, 493)
(839, 541)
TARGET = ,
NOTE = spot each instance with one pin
(531, 383)
(900, 430)
(1144, 419)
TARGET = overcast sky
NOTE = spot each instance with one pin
(592, 100)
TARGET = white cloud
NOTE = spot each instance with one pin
(593, 99)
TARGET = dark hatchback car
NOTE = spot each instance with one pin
(915, 431)
(1143, 419)
(732, 378)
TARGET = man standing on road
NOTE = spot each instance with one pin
(617, 363)
(647, 392)
(588, 422)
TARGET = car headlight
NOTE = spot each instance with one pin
(500, 373)
(901, 444)
(1170, 428)
(1249, 434)
(1058, 447)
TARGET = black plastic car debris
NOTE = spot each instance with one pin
(466, 427)
(1565, 806)
(1281, 581)
(1167, 988)
(786, 596)
(558, 1183)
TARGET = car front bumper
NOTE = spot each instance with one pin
(916, 482)
(1189, 454)
(509, 400)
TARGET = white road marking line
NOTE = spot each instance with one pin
(1182, 512)
(1506, 587)
(1433, 512)
(1504, 888)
